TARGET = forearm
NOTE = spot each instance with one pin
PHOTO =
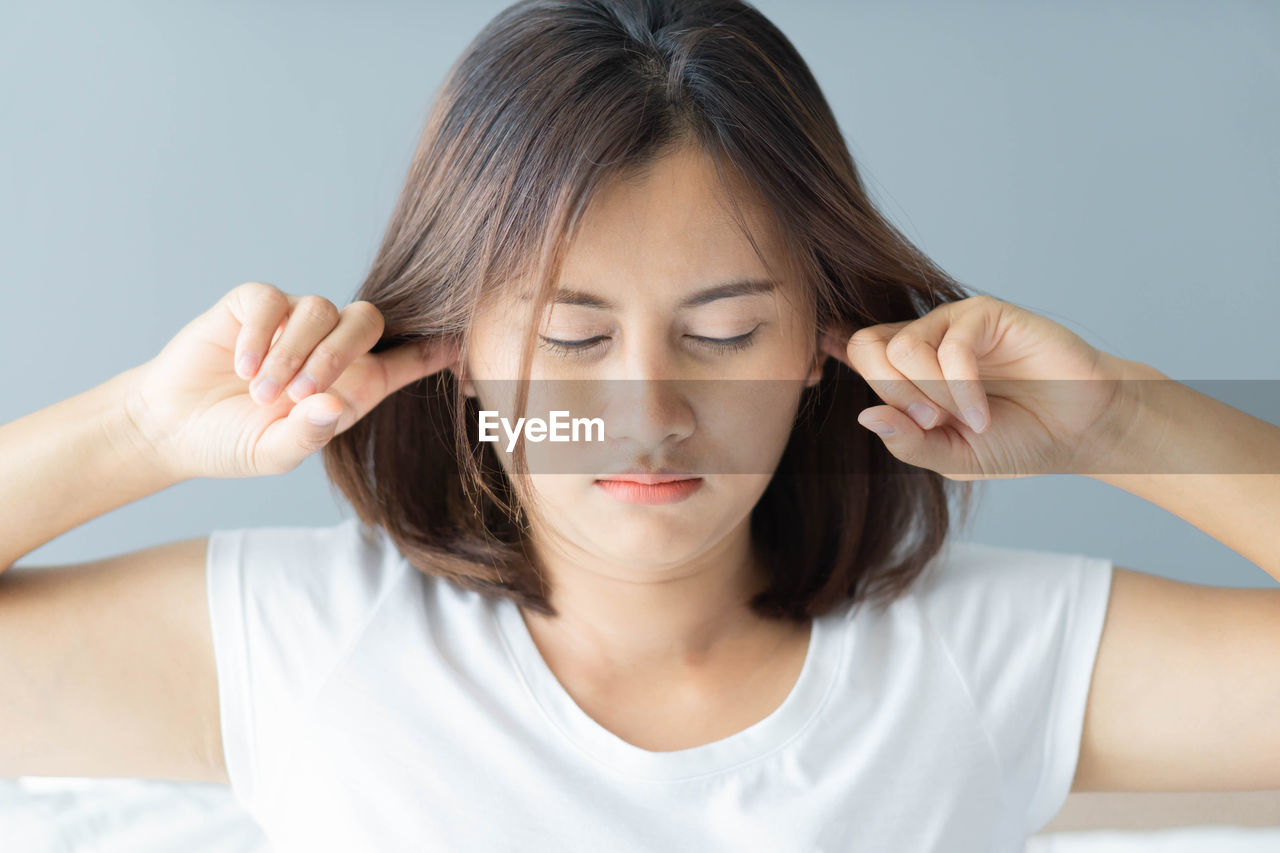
(1188, 453)
(68, 463)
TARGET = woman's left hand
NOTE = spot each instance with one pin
(1045, 401)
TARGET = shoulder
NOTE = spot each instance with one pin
(964, 569)
(309, 545)
(992, 606)
(348, 532)
(347, 564)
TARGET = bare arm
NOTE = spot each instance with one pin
(1185, 689)
(68, 463)
(1191, 455)
(1186, 685)
(106, 667)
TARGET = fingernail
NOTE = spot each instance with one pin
(973, 415)
(265, 391)
(321, 418)
(922, 414)
(880, 427)
(246, 364)
(302, 386)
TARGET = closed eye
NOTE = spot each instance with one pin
(570, 347)
(737, 342)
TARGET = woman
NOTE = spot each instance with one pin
(732, 619)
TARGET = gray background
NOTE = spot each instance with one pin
(1112, 166)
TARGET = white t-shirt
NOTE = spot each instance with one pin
(368, 707)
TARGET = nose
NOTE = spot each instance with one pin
(647, 401)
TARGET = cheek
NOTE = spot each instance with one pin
(788, 351)
(772, 429)
(749, 423)
(558, 499)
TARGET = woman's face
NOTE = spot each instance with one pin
(704, 383)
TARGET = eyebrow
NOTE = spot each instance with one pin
(724, 290)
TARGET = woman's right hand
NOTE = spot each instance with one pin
(191, 404)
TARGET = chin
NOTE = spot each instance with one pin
(636, 536)
(645, 563)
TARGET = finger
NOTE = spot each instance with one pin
(260, 309)
(958, 355)
(943, 348)
(835, 341)
(913, 351)
(411, 362)
(373, 376)
(867, 353)
(311, 319)
(308, 427)
(360, 325)
(937, 450)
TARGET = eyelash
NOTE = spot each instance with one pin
(736, 343)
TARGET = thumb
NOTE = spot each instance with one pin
(905, 439)
(308, 427)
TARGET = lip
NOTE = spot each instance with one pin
(650, 478)
(668, 489)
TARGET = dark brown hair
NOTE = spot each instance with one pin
(552, 99)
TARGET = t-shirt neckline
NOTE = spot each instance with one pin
(817, 676)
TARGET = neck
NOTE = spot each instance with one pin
(680, 619)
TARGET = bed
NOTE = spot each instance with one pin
(63, 815)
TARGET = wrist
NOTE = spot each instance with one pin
(123, 420)
(1130, 419)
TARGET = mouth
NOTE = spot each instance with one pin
(646, 479)
(649, 488)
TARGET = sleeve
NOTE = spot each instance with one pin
(1023, 627)
(285, 604)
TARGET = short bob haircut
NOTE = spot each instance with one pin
(551, 100)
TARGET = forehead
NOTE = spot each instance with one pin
(670, 228)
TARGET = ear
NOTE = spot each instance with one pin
(459, 373)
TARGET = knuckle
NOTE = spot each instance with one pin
(270, 303)
(325, 363)
(902, 344)
(317, 308)
(284, 362)
(261, 293)
(864, 336)
(368, 313)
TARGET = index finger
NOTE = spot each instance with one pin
(369, 379)
(413, 361)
